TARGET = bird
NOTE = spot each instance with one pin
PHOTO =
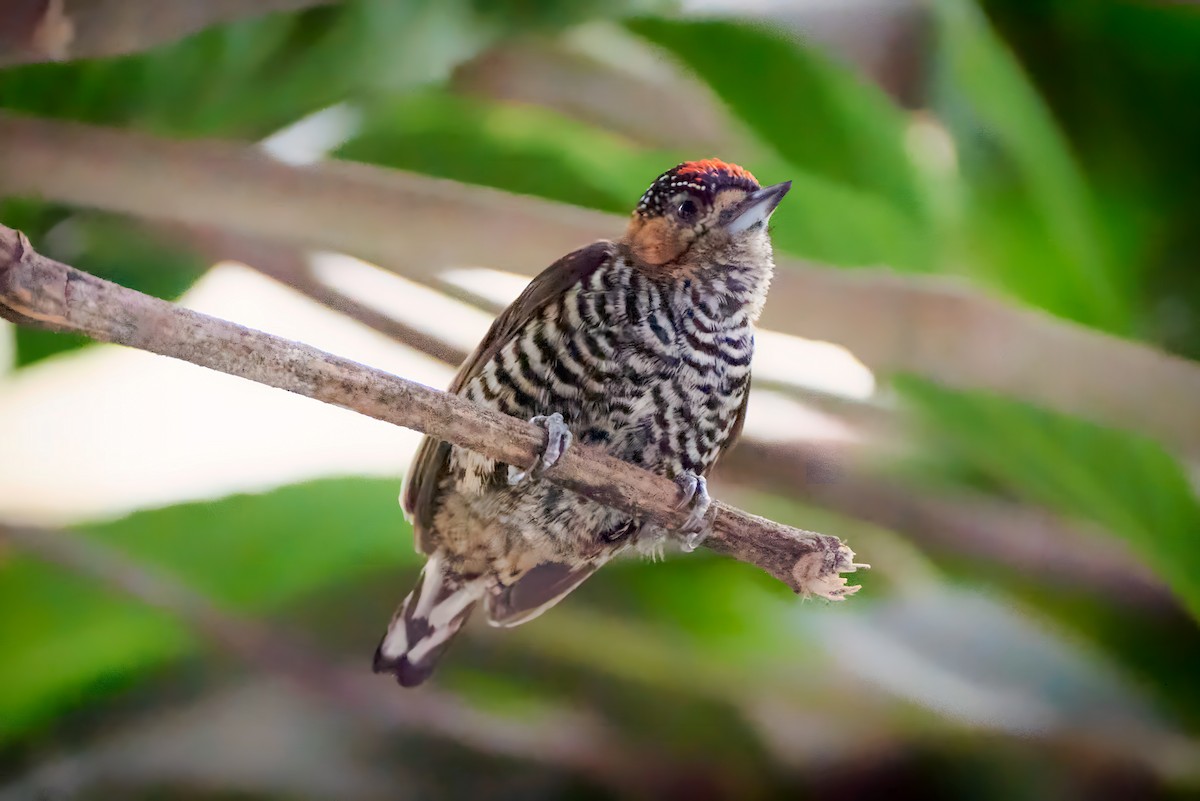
(639, 346)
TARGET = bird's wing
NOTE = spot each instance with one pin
(421, 483)
(535, 592)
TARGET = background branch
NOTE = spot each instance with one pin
(571, 739)
(52, 295)
(56, 30)
(1030, 540)
(290, 267)
(930, 326)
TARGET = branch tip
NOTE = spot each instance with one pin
(819, 571)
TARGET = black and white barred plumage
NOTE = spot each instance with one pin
(644, 347)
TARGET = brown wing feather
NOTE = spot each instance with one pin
(536, 591)
(421, 483)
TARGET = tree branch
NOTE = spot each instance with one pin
(39, 291)
(894, 323)
(669, 111)
(840, 479)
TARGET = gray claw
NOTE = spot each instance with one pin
(558, 439)
(694, 492)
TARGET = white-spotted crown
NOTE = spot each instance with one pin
(700, 179)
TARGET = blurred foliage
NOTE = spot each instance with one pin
(539, 152)
(247, 80)
(1130, 486)
(1068, 182)
(74, 641)
(1117, 75)
(823, 120)
(250, 78)
(521, 149)
(1030, 219)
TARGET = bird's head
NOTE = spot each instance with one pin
(702, 213)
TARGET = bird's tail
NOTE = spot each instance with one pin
(424, 625)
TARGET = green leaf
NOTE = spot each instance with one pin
(817, 115)
(520, 149)
(1128, 485)
(1031, 227)
(835, 224)
(534, 151)
(251, 77)
(1157, 650)
(74, 638)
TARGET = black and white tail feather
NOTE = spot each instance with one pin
(425, 624)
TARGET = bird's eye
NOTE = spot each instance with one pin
(686, 210)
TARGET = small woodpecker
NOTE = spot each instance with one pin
(640, 347)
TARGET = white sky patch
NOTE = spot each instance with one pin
(773, 417)
(311, 138)
(495, 285)
(419, 306)
(107, 430)
(811, 364)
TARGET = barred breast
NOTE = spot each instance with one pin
(654, 372)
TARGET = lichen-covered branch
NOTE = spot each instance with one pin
(35, 290)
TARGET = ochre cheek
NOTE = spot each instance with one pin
(657, 241)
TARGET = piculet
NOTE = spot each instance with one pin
(640, 347)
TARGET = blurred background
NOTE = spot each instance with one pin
(976, 367)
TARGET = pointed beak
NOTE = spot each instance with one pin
(756, 208)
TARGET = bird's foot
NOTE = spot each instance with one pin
(693, 490)
(558, 439)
